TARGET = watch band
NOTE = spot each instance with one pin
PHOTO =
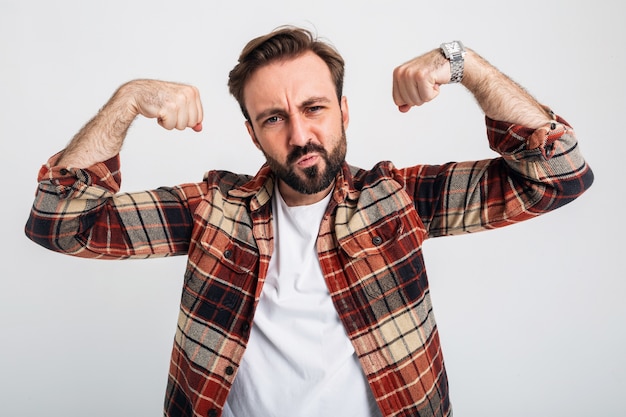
(455, 53)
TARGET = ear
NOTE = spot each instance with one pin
(345, 113)
(252, 135)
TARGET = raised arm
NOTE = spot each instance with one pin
(175, 106)
(540, 167)
(78, 209)
(418, 81)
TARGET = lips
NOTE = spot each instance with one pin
(301, 153)
(308, 160)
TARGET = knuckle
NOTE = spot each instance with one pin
(421, 73)
(400, 72)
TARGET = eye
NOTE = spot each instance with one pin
(272, 120)
(314, 109)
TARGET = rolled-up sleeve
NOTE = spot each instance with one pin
(538, 170)
(549, 155)
(80, 212)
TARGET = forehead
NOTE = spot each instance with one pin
(288, 82)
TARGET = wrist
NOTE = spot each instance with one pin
(125, 101)
(454, 52)
(475, 70)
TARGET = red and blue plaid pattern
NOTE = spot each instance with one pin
(369, 246)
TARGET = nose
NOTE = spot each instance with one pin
(299, 131)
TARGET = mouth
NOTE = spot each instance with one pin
(307, 160)
(305, 155)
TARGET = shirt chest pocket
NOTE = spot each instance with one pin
(219, 278)
(372, 241)
(219, 250)
(385, 261)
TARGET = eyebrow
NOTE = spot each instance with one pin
(276, 110)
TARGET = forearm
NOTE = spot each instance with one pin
(102, 137)
(500, 97)
(175, 106)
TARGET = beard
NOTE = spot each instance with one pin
(314, 179)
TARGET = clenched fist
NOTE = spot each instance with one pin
(175, 106)
(418, 80)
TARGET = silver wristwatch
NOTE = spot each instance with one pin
(455, 53)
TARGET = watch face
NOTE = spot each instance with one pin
(454, 47)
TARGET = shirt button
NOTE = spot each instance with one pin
(212, 413)
(228, 253)
(244, 328)
(64, 171)
(229, 370)
(377, 240)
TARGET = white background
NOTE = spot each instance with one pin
(532, 317)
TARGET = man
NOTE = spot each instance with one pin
(305, 291)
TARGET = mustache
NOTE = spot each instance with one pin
(300, 151)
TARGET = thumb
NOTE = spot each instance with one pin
(404, 108)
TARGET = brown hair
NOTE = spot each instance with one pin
(284, 42)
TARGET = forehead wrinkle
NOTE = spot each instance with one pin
(278, 88)
(279, 110)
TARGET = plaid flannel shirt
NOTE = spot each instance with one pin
(369, 247)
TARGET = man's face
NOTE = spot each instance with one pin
(298, 124)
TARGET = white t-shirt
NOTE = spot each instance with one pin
(299, 360)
